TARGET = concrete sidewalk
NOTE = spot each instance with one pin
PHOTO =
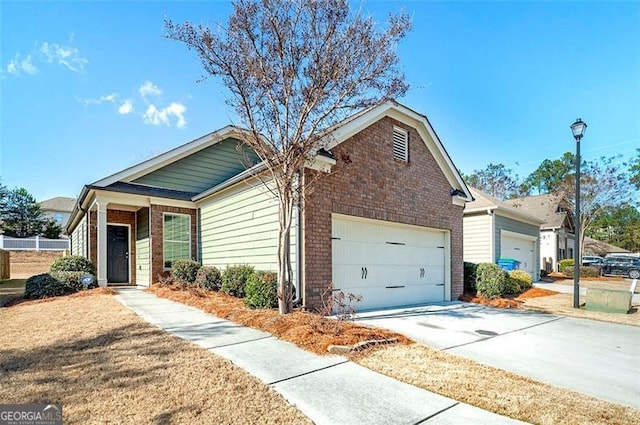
(328, 389)
(566, 289)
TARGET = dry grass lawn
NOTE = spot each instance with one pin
(493, 389)
(105, 365)
(562, 304)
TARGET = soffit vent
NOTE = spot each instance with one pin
(400, 144)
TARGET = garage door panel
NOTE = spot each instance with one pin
(520, 249)
(383, 296)
(388, 264)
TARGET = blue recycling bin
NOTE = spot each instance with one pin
(509, 264)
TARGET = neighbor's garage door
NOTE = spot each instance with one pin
(388, 264)
(521, 249)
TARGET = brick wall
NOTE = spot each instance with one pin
(93, 237)
(368, 182)
(157, 264)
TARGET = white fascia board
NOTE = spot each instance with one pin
(413, 119)
(168, 157)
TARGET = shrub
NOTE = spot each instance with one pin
(564, 263)
(185, 270)
(523, 278)
(209, 278)
(234, 280)
(45, 286)
(585, 271)
(470, 277)
(72, 280)
(262, 290)
(491, 280)
(73, 263)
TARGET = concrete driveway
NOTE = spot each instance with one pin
(596, 358)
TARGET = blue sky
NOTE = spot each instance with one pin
(87, 89)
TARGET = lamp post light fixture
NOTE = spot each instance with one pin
(577, 128)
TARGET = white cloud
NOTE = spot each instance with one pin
(148, 88)
(153, 116)
(64, 55)
(97, 101)
(126, 107)
(17, 66)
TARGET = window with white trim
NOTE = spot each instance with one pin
(400, 144)
(176, 238)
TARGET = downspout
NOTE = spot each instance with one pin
(492, 239)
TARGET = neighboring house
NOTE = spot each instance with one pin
(384, 220)
(596, 247)
(494, 230)
(58, 209)
(556, 232)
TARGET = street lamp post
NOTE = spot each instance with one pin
(578, 129)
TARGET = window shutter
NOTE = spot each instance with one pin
(400, 144)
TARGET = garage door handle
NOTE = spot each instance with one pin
(364, 273)
(421, 272)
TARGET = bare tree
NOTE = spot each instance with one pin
(293, 69)
(604, 183)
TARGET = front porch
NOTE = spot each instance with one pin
(132, 240)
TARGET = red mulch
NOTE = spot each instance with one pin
(510, 302)
(310, 331)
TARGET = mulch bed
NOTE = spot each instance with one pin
(309, 331)
(508, 302)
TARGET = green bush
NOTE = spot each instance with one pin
(564, 263)
(73, 263)
(523, 279)
(470, 277)
(491, 281)
(72, 280)
(209, 278)
(234, 280)
(45, 286)
(262, 290)
(185, 270)
(585, 271)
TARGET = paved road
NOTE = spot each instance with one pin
(595, 358)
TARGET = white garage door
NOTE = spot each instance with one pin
(519, 248)
(388, 264)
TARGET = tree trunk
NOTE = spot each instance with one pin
(284, 254)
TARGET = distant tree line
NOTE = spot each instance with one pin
(21, 216)
(609, 195)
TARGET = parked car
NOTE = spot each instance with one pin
(592, 260)
(622, 265)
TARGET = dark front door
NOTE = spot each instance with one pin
(117, 254)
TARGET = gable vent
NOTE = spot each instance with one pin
(400, 144)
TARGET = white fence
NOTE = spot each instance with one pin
(36, 243)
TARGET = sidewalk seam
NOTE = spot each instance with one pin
(436, 414)
(307, 373)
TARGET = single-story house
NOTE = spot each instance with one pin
(381, 214)
(557, 230)
(493, 230)
(596, 247)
